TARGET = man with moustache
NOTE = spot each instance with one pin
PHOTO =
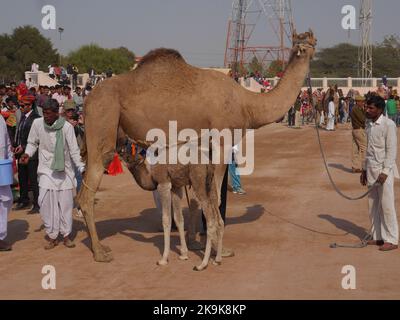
(380, 166)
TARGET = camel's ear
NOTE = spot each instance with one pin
(311, 33)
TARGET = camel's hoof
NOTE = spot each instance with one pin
(199, 268)
(184, 257)
(217, 263)
(162, 262)
(107, 249)
(102, 256)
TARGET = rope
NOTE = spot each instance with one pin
(87, 187)
(326, 164)
(364, 241)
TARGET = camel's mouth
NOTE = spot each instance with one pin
(304, 42)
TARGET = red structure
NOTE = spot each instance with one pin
(250, 23)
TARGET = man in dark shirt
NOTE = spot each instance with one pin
(27, 174)
(359, 137)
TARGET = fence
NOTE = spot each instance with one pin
(359, 84)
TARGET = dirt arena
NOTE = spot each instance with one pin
(280, 231)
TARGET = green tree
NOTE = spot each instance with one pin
(340, 61)
(275, 69)
(101, 59)
(255, 66)
(20, 49)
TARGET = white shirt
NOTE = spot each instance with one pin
(381, 149)
(45, 140)
(331, 110)
(5, 153)
(60, 98)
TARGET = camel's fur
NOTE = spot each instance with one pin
(169, 181)
(165, 88)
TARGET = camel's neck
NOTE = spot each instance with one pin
(267, 108)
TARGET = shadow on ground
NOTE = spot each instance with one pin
(149, 221)
(345, 225)
(340, 167)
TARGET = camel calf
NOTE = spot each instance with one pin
(169, 181)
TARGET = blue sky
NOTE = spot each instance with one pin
(197, 28)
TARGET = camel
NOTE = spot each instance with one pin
(169, 181)
(163, 88)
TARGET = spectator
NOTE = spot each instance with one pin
(380, 166)
(27, 174)
(78, 99)
(9, 114)
(359, 136)
(55, 140)
(233, 173)
(52, 72)
(391, 109)
(67, 93)
(398, 110)
(43, 97)
(59, 96)
(331, 115)
(75, 73)
(35, 67)
(6, 197)
(291, 116)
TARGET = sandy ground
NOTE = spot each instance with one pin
(280, 231)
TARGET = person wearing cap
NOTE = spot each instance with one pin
(6, 197)
(359, 148)
(69, 109)
(27, 174)
(54, 138)
(380, 167)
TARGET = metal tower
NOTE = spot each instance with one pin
(261, 29)
(365, 50)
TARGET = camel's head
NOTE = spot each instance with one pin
(304, 44)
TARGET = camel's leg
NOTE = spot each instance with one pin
(211, 234)
(164, 190)
(100, 143)
(194, 218)
(92, 179)
(220, 235)
(178, 218)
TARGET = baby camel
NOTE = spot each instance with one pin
(169, 181)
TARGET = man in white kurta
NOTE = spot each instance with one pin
(380, 165)
(331, 116)
(6, 198)
(55, 186)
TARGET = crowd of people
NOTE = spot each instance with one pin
(374, 118)
(331, 107)
(43, 131)
(32, 120)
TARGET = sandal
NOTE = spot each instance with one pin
(51, 244)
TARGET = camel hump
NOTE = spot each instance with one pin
(160, 53)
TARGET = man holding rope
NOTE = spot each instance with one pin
(380, 166)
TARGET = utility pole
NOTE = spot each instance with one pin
(60, 30)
